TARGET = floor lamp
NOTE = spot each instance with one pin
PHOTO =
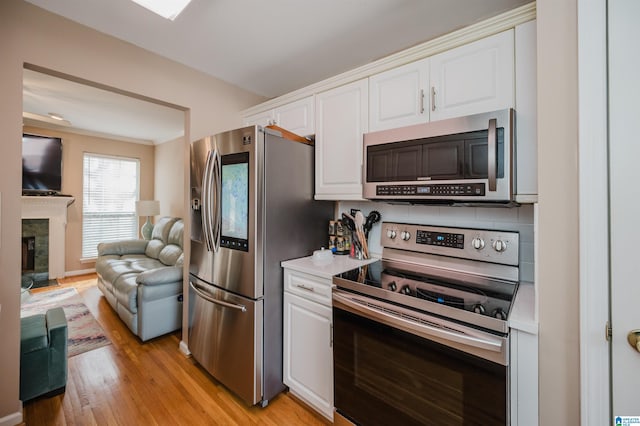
(147, 208)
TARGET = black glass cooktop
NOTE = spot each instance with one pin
(430, 291)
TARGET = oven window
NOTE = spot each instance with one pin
(387, 376)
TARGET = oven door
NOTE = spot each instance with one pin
(389, 371)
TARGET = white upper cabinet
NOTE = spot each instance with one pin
(399, 97)
(296, 117)
(477, 77)
(264, 118)
(341, 120)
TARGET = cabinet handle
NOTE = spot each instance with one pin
(433, 98)
(421, 101)
(331, 335)
(304, 287)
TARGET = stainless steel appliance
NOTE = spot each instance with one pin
(421, 336)
(459, 160)
(251, 208)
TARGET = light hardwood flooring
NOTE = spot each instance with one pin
(152, 383)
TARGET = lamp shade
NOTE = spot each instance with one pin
(147, 207)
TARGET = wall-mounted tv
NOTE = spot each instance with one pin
(41, 164)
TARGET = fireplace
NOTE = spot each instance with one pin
(52, 212)
(35, 249)
(28, 254)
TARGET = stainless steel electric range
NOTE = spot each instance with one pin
(421, 336)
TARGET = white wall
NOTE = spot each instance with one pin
(31, 35)
(169, 180)
(558, 242)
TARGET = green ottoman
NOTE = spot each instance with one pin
(43, 354)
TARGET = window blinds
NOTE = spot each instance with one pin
(110, 189)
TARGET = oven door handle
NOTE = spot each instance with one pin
(388, 317)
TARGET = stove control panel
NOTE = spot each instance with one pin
(442, 239)
(475, 244)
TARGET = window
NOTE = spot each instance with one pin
(110, 189)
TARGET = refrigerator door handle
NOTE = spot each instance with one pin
(208, 298)
(206, 203)
(217, 187)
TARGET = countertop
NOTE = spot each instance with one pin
(338, 265)
(522, 315)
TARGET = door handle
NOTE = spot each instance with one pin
(634, 339)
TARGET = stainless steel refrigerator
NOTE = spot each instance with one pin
(251, 208)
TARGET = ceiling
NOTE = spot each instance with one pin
(272, 47)
(94, 111)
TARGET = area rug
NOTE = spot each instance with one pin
(84, 332)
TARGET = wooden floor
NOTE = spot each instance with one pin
(152, 383)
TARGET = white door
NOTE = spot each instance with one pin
(624, 146)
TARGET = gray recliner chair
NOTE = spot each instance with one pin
(43, 354)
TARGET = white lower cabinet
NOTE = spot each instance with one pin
(524, 378)
(307, 344)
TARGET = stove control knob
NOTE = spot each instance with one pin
(479, 309)
(499, 246)
(406, 290)
(499, 313)
(391, 234)
(405, 235)
(477, 243)
(392, 286)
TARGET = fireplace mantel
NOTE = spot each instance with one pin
(54, 209)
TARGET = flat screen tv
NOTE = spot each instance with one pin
(41, 164)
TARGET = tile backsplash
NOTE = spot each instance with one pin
(519, 219)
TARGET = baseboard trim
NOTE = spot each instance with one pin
(12, 419)
(79, 272)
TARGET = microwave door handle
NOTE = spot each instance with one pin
(216, 208)
(206, 200)
(492, 147)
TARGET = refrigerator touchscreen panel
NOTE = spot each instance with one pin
(234, 202)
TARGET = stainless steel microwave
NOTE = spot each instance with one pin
(454, 161)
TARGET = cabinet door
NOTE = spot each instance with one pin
(297, 117)
(341, 120)
(308, 355)
(261, 119)
(477, 77)
(399, 97)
